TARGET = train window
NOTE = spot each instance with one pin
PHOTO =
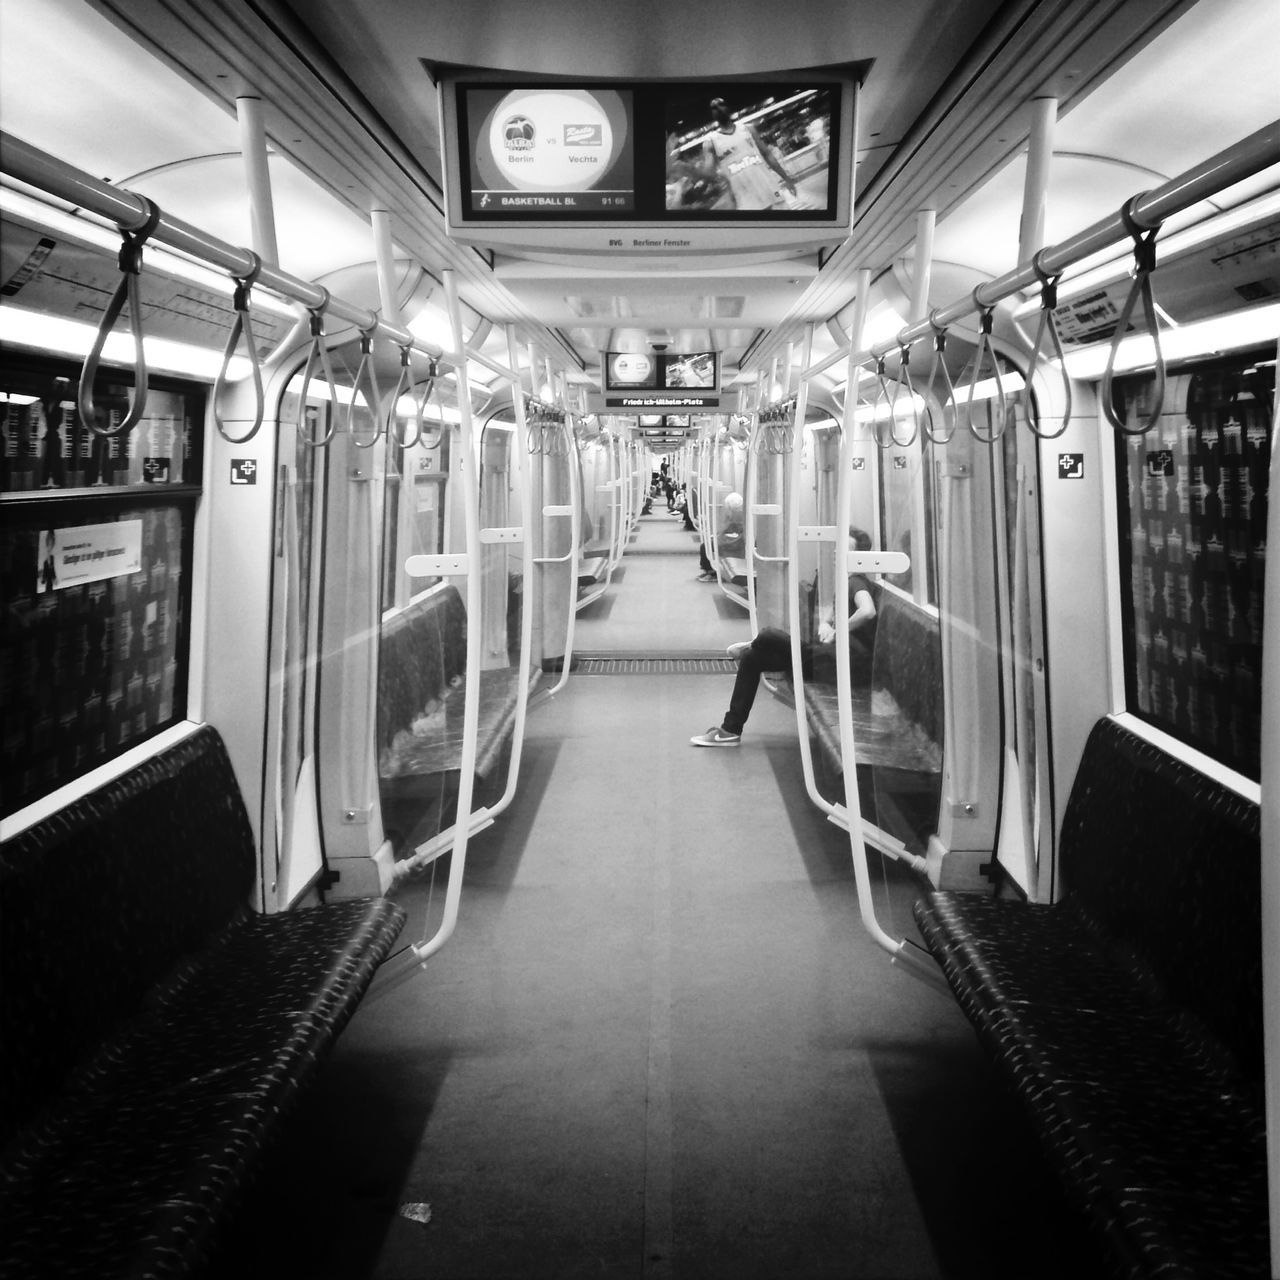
(415, 511)
(1193, 500)
(906, 499)
(95, 565)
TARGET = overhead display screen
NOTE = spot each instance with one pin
(538, 151)
(715, 152)
(661, 371)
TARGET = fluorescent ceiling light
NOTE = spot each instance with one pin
(166, 260)
(25, 328)
(1186, 342)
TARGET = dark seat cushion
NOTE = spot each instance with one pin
(436, 747)
(883, 734)
(155, 1030)
(138, 1159)
(1128, 1015)
(101, 900)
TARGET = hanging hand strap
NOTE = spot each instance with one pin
(1144, 263)
(997, 413)
(1049, 323)
(403, 383)
(940, 365)
(130, 263)
(904, 382)
(318, 352)
(429, 437)
(243, 324)
(367, 375)
(883, 395)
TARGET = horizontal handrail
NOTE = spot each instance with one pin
(29, 164)
(1247, 157)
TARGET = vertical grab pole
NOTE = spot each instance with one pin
(844, 684)
(253, 147)
(524, 490)
(922, 275)
(386, 263)
(1030, 743)
(793, 596)
(1044, 118)
(468, 473)
(1271, 844)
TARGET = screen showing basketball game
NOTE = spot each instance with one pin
(737, 151)
(661, 371)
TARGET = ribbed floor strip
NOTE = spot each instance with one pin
(604, 664)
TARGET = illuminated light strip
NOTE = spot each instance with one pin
(1088, 279)
(60, 223)
(1186, 342)
(26, 328)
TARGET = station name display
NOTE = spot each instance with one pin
(636, 380)
(715, 152)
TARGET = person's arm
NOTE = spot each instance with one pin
(771, 159)
(864, 610)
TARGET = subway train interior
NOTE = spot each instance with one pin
(636, 641)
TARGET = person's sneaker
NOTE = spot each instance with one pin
(716, 737)
(737, 649)
(707, 577)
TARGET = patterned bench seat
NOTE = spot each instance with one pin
(422, 662)
(1128, 1016)
(897, 721)
(154, 1031)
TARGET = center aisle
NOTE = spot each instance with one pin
(659, 1043)
(655, 604)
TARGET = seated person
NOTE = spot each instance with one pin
(730, 542)
(771, 651)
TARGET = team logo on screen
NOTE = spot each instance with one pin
(583, 135)
(549, 140)
(518, 133)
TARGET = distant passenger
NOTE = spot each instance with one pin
(738, 154)
(730, 542)
(770, 650)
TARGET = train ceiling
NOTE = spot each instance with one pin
(945, 116)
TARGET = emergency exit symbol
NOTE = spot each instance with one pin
(244, 471)
(1071, 466)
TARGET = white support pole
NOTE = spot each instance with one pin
(386, 262)
(1044, 118)
(468, 477)
(922, 272)
(253, 149)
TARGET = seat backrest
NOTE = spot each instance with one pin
(1167, 862)
(908, 660)
(101, 900)
(422, 649)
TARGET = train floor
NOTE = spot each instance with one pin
(660, 1043)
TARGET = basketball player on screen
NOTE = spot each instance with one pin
(739, 155)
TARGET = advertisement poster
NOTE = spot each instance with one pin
(89, 553)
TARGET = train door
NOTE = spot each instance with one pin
(768, 494)
(291, 831)
(553, 526)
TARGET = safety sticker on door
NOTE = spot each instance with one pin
(244, 471)
(1071, 466)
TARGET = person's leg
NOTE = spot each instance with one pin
(703, 562)
(769, 651)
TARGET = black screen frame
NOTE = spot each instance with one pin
(654, 105)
